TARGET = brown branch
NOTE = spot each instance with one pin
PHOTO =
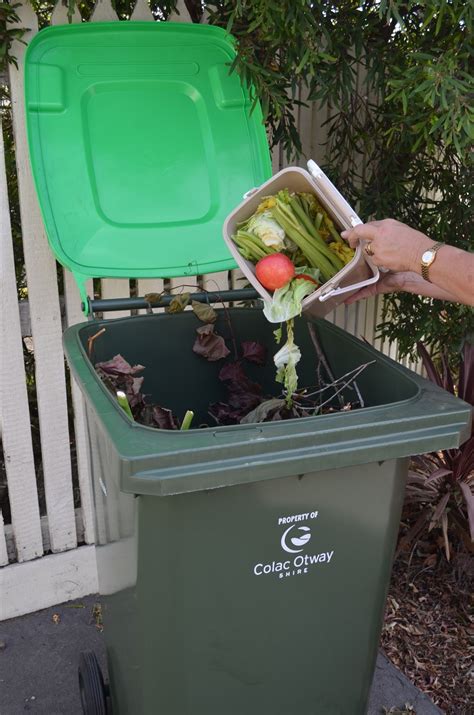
(322, 357)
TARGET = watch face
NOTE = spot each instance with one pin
(427, 257)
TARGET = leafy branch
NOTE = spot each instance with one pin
(395, 76)
(9, 32)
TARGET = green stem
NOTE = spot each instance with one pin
(310, 250)
(290, 339)
(283, 210)
(251, 245)
(259, 244)
(187, 419)
(333, 232)
(304, 218)
(123, 402)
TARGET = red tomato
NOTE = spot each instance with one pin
(274, 271)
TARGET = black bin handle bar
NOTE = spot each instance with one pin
(223, 296)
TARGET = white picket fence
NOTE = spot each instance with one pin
(50, 559)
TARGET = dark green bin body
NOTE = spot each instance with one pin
(206, 612)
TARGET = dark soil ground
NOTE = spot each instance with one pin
(429, 625)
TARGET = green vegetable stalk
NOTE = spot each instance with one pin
(314, 248)
(250, 246)
(123, 402)
(187, 419)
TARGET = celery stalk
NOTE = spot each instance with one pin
(187, 419)
(123, 402)
(286, 211)
(304, 218)
(334, 233)
(250, 247)
(309, 248)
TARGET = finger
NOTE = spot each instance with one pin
(364, 231)
(390, 283)
(366, 292)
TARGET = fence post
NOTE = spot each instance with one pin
(45, 322)
(14, 409)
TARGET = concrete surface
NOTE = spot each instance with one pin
(39, 656)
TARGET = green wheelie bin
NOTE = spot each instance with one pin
(243, 568)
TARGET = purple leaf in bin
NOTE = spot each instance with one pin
(224, 414)
(232, 371)
(146, 416)
(118, 374)
(244, 395)
(164, 418)
(234, 374)
(244, 401)
(263, 411)
(133, 391)
(210, 345)
(255, 352)
(119, 366)
(136, 385)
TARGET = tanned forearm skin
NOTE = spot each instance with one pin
(399, 248)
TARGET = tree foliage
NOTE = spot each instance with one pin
(397, 80)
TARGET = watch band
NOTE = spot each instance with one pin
(425, 267)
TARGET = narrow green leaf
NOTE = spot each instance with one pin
(404, 103)
(439, 21)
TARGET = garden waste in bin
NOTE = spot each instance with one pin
(243, 568)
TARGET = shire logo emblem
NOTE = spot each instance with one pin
(298, 538)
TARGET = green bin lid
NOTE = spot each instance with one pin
(141, 143)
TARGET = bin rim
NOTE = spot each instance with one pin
(187, 433)
(161, 462)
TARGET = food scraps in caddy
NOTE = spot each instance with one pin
(289, 235)
(295, 247)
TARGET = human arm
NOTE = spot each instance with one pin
(399, 248)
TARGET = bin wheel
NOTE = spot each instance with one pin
(91, 685)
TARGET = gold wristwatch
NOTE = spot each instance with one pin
(428, 258)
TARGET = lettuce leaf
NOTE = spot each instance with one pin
(286, 302)
(286, 360)
(264, 226)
